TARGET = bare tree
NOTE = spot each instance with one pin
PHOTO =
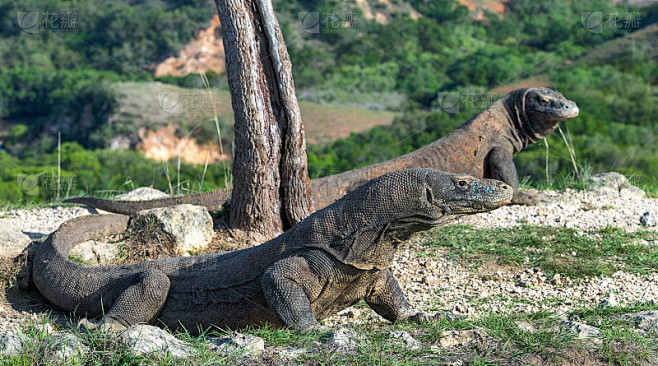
(270, 177)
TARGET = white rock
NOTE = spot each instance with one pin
(64, 346)
(142, 194)
(582, 331)
(406, 338)
(44, 328)
(344, 339)
(291, 353)
(11, 343)
(190, 226)
(611, 301)
(526, 327)
(149, 340)
(241, 344)
(96, 253)
(644, 320)
(454, 338)
(12, 239)
(647, 220)
(614, 184)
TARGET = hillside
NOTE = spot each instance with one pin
(372, 82)
(143, 106)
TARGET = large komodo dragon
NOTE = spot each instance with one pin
(331, 260)
(482, 147)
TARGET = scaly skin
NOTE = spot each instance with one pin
(482, 147)
(333, 259)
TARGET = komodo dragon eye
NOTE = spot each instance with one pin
(428, 193)
(543, 100)
(462, 183)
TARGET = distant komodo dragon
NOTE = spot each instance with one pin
(331, 260)
(482, 147)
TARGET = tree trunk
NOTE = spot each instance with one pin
(270, 178)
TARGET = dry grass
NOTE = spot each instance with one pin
(147, 241)
(322, 123)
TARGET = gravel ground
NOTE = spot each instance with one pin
(442, 283)
(37, 223)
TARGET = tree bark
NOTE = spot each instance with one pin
(270, 178)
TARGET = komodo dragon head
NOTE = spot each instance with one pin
(376, 217)
(535, 112)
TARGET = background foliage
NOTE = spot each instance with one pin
(54, 82)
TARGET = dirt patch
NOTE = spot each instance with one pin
(490, 269)
(204, 53)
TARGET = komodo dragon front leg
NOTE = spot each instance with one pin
(299, 290)
(287, 285)
(387, 299)
(501, 166)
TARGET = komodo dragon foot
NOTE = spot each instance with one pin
(428, 318)
(530, 197)
(105, 325)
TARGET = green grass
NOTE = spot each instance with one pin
(553, 249)
(622, 343)
(105, 349)
(505, 329)
(285, 337)
(544, 339)
(505, 341)
(650, 189)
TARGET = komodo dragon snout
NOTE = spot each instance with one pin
(463, 194)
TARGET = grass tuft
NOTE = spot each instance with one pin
(552, 249)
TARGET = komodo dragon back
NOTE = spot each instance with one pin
(333, 259)
(482, 147)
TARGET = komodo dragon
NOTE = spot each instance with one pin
(482, 147)
(331, 260)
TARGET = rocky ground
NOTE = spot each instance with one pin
(440, 282)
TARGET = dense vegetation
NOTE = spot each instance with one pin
(102, 171)
(56, 77)
(446, 51)
(53, 81)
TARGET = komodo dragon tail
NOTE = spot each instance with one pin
(59, 279)
(214, 201)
